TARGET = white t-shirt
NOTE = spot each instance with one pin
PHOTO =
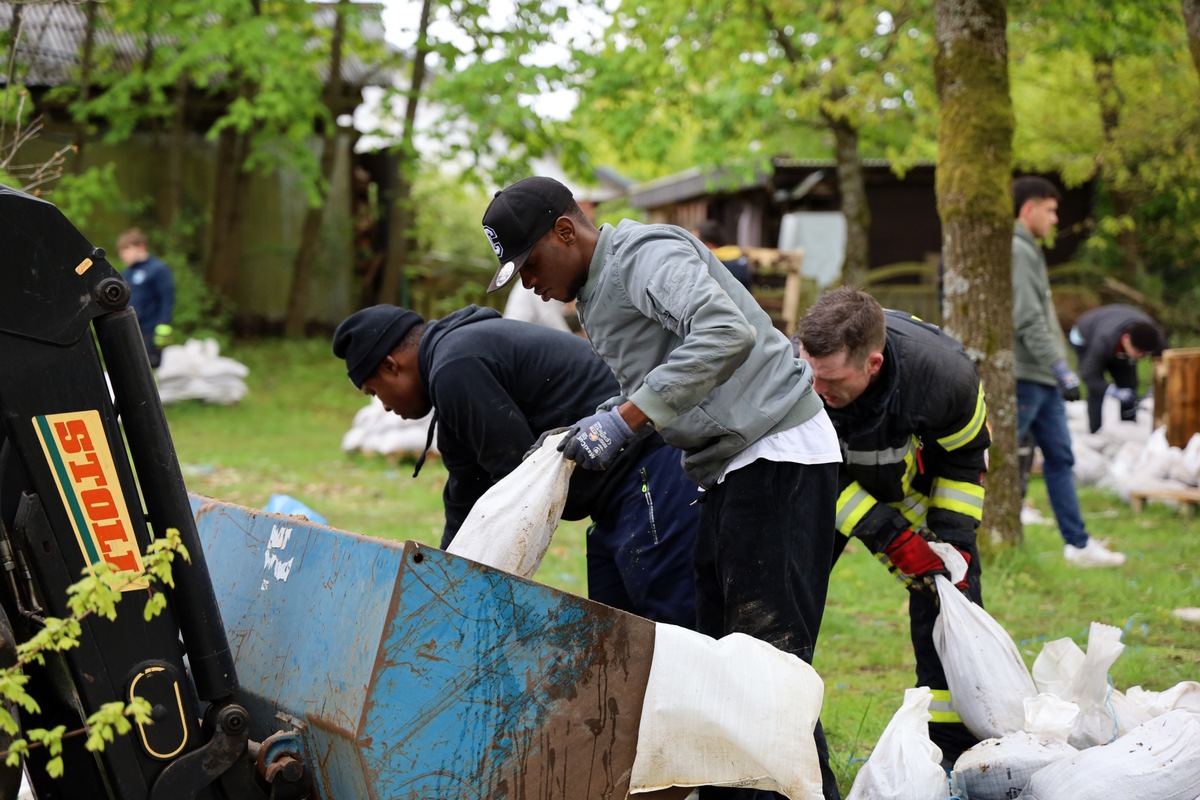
(811, 442)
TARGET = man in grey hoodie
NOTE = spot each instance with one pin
(1044, 379)
(698, 361)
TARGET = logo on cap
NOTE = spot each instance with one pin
(505, 273)
(495, 240)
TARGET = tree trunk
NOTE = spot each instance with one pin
(974, 189)
(853, 189)
(306, 256)
(170, 195)
(1191, 17)
(225, 250)
(86, 51)
(393, 286)
(1123, 202)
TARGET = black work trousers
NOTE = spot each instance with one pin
(762, 568)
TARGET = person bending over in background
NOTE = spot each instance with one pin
(1111, 339)
(1044, 380)
(910, 416)
(698, 361)
(493, 384)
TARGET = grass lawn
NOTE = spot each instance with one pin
(284, 437)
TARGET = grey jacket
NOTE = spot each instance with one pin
(690, 347)
(1039, 340)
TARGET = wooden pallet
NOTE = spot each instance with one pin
(1188, 499)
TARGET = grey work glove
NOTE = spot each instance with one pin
(1068, 381)
(542, 440)
(595, 441)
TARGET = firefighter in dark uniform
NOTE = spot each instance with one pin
(910, 416)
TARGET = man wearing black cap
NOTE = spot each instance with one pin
(493, 385)
(698, 361)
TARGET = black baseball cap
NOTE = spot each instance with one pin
(517, 217)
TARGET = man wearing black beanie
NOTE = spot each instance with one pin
(494, 384)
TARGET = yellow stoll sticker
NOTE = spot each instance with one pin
(77, 451)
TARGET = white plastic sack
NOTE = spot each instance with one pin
(905, 764)
(1157, 760)
(509, 528)
(986, 675)
(728, 712)
(1184, 695)
(1000, 769)
(1064, 670)
(1050, 717)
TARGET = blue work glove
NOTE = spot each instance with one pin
(1128, 399)
(593, 442)
(1068, 381)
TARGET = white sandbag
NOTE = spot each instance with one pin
(1157, 760)
(905, 764)
(194, 371)
(1000, 769)
(1048, 716)
(986, 675)
(1081, 677)
(1184, 695)
(728, 712)
(1055, 667)
(509, 528)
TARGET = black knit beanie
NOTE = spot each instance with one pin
(366, 337)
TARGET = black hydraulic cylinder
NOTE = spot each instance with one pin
(166, 500)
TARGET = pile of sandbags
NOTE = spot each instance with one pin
(375, 431)
(1062, 731)
(195, 370)
(1126, 457)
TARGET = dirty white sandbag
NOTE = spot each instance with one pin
(999, 769)
(987, 677)
(729, 712)
(1184, 695)
(905, 764)
(1157, 760)
(509, 528)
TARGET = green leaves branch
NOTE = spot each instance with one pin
(97, 593)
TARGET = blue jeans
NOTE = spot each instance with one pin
(641, 547)
(1042, 412)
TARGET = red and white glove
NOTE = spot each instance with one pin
(915, 564)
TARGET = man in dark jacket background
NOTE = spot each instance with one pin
(494, 385)
(909, 412)
(1111, 339)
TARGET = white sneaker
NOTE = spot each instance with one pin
(1092, 554)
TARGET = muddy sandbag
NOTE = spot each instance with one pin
(1157, 760)
(1000, 769)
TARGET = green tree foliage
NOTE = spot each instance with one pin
(97, 593)
(1106, 92)
(724, 81)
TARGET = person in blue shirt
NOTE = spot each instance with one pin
(151, 290)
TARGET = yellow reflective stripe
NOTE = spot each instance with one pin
(852, 505)
(941, 708)
(961, 496)
(972, 428)
(912, 508)
(910, 464)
